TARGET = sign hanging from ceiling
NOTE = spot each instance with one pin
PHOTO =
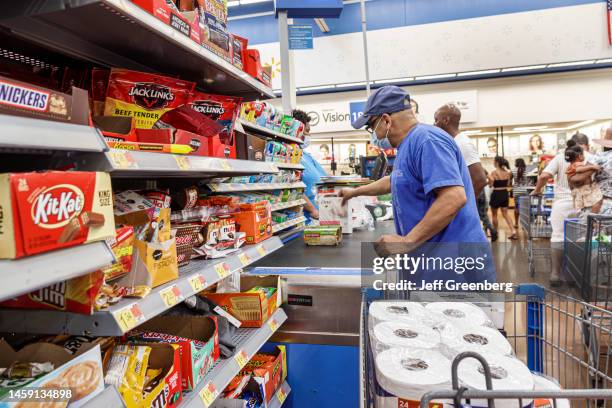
(310, 8)
(300, 37)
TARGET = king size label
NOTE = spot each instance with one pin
(23, 97)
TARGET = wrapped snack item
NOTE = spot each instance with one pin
(185, 118)
(127, 368)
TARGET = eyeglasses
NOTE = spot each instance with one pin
(369, 128)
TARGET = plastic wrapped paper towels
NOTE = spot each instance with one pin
(547, 384)
(408, 334)
(479, 339)
(410, 373)
(461, 314)
(393, 311)
(507, 373)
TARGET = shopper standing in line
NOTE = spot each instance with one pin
(500, 180)
(312, 172)
(519, 186)
(430, 182)
(447, 118)
(482, 202)
(563, 205)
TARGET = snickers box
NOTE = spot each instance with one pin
(40, 212)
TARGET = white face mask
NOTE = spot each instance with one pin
(383, 143)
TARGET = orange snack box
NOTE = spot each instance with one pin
(255, 220)
(252, 309)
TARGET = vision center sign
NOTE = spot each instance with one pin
(337, 116)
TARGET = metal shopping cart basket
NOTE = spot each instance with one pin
(588, 257)
(553, 334)
(534, 218)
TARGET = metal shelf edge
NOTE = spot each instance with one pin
(25, 275)
(269, 132)
(289, 204)
(40, 134)
(284, 225)
(231, 187)
(280, 397)
(105, 323)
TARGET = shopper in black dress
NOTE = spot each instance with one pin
(500, 179)
(519, 187)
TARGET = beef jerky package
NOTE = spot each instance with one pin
(144, 97)
(184, 118)
(220, 108)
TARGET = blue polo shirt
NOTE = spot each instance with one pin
(311, 175)
(427, 159)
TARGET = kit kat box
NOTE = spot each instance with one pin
(43, 211)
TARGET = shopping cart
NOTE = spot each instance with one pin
(588, 256)
(534, 218)
(553, 334)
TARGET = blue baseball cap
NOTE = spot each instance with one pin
(388, 99)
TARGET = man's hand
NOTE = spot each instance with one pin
(314, 214)
(346, 194)
(535, 193)
(393, 244)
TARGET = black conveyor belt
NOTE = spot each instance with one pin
(296, 254)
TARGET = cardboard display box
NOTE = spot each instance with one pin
(196, 336)
(272, 374)
(166, 393)
(24, 99)
(255, 221)
(52, 210)
(185, 22)
(252, 309)
(81, 372)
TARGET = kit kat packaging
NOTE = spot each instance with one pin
(143, 96)
(43, 211)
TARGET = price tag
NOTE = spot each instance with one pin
(281, 396)
(208, 394)
(244, 259)
(241, 358)
(261, 250)
(171, 296)
(197, 283)
(122, 159)
(182, 162)
(273, 325)
(225, 165)
(222, 269)
(128, 317)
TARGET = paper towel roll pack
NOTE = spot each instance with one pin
(410, 373)
(461, 313)
(507, 373)
(409, 334)
(479, 339)
(393, 311)
(547, 384)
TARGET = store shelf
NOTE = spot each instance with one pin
(122, 163)
(260, 130)
(110, 397)
(289, 166)
(129, 313)
(119, 33)
(288, 204)
(284, 225)
(280, 397)
(24, 135)
(235, 187)
(28, 274)
(248, 341)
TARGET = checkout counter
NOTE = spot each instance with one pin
(321, 288)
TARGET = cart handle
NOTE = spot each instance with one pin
(455, 376)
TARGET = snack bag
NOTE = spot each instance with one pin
(220, 108)
(127, 369)
(143, 96)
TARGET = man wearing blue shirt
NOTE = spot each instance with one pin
(430, 182)
(312, 172)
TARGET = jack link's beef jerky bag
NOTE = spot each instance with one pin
(144, 97)
(220, 108)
